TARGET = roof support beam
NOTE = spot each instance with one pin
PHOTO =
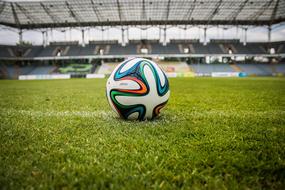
(269, 34)
(16, 18)
(72, 12)
(123, 37)
(164, 36)
(245, 37)
(216, 10)
(95, 10)
(190, 11)
(149, 22)
(236, 13)
(20, 36)
(205, 36)
(54, 18)
(254, 16)
(143, 14)
(2, 7)
(26, 13)
(83, 37)
(273, 16)
(167, 10)
(119, 10)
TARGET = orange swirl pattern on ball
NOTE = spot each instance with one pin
(142, 90)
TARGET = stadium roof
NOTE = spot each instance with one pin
(73, 13)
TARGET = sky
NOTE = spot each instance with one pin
(8, 36)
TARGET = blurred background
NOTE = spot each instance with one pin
(186, 38)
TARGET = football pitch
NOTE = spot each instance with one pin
(213, 134)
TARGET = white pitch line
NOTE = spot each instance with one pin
(52, 113)
(110, 114)
(231, 113)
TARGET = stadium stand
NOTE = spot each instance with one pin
(159, 49)
(168, 66)
(209, 68)
(9, 71)
(89, 49)
(107, 68)
(241, 49)
(4, 51)
(134, 47)
(280, 68)
(73, 50)
(183, 48)
(129, 49)
(46, 52)
(42, 70)
(200, 48)
(13, 71)
(215, 48)
(35, 50)
(256, 69)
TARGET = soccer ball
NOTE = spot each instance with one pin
(137, 89)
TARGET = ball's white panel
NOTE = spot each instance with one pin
(123, 84)
(129, 64)
(133, 116)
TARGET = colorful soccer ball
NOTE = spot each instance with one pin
(137, 89)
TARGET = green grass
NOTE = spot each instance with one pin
(214, 134)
